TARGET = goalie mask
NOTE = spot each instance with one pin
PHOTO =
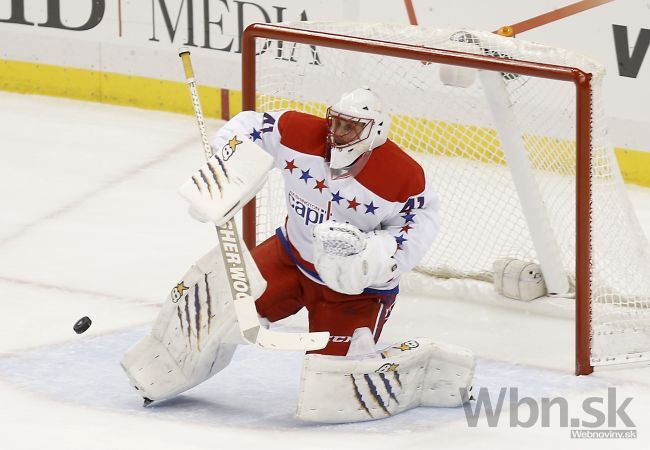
(357, 125)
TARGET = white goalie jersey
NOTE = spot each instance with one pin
(391, 193)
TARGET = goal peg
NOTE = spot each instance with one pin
(506, 31)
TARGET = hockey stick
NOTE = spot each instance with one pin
(251, 329)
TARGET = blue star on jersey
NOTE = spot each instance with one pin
(370, 207)
(255, 135)
(408, 217)
(305, 175)
(336, 197)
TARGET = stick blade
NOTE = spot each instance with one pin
(292, 341)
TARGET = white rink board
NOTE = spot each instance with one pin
(135, 40)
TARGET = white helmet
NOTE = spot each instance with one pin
(357, 125)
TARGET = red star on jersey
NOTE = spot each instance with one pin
(320, 185)
(352, 204)
(290, 165)
(406, 228)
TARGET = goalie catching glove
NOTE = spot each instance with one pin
(349, 260)
(230, 178)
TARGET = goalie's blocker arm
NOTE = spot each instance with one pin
(227, 181)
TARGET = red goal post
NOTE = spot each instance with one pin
(580, 79)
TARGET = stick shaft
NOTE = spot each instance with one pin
(246, 314)
(196, 102)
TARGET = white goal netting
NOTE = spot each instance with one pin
(451, 130)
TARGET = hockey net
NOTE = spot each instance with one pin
(457, 133)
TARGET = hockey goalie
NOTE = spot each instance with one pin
(361, 213)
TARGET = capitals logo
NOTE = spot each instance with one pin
(408, 345)
(388, 367)
(229, 149)
(310, 213)
(177, 292)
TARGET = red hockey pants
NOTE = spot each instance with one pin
(288, 291)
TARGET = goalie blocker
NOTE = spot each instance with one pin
(227, 181)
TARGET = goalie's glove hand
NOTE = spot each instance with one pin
(349, 260)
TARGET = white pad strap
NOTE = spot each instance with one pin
(230, 178)
(417, 372)
(195, 333)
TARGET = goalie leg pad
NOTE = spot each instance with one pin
(417, 372)
(195, 334)
(157, 375)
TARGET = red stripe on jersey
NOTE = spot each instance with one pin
(303, 133)
(392, 174)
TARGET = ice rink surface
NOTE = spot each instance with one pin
(91, 225)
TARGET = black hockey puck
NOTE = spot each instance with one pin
(82, 325)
